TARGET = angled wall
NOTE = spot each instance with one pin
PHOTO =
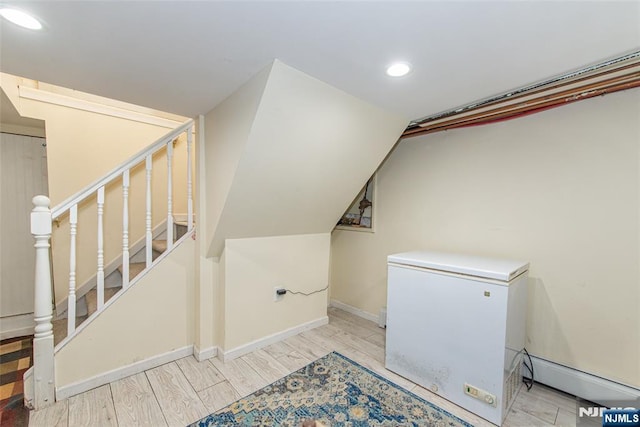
(284, 157)
(309, 150)
(227, 128)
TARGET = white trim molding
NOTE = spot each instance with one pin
(586, 386)
(122, 372)
(204, 354)
(354, 310)
(270, 339)
(93, 107)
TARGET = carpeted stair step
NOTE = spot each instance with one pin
(159, 245)
(134, 269)
(60, 328)
(92, 298)
(181, 228)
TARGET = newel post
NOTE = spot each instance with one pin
(43, 364)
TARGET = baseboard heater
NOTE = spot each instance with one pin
(581, 384)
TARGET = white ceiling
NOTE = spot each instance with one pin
(185, 57)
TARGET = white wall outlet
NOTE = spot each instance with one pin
(277, 297)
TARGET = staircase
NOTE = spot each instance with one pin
(52, 335)
(88, 304)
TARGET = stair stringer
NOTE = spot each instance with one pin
(148, 324)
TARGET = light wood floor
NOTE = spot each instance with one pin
(184, 391)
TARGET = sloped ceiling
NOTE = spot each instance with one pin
(185, 57)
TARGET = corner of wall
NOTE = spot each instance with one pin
(254, 267)
(227, 128)
(9, 85)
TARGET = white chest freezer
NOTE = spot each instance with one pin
(456, 326)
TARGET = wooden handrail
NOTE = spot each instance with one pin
(117, 172)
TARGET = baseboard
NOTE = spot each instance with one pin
(204, 354)
(17, 326)
(270, 339)
(62, 306)
(586, 386)
(123, 372)
(353, 310)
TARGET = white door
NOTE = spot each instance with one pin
(23, 174)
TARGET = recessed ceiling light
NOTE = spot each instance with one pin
(20, 18)
(398, 69)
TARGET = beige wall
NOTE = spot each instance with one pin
(153, 317)
(87, 219)
(560, 189)
(227, 128)
(283, 156)
(225, 133)
(206, 275)
(82, 146)
(310, 150)
(220, 305)
(254, 267)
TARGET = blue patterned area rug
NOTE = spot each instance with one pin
(335, 391)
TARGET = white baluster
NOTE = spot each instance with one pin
(189, 182)
(100, 274)
(71, 307)
(43, 365)
(148, 234)
(125, 229)
(169, 196)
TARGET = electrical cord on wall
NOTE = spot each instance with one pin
(307, 294)
(528, 381)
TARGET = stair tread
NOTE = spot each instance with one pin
(60, 328)
(134, 269)
(159, 245)
(92, 298)
(181, 228)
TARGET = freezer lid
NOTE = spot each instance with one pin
(489, 268)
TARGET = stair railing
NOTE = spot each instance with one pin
(41, 227)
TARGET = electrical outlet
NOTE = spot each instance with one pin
(277, 297)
